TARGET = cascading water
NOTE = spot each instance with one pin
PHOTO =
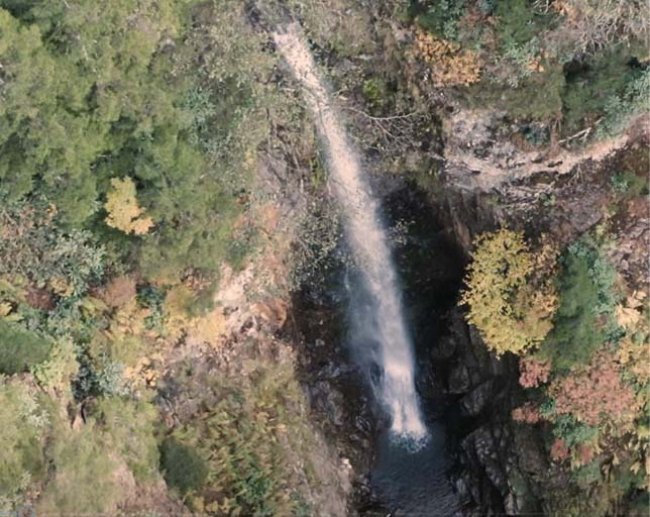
(367, 240)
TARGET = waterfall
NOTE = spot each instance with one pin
(367, 240)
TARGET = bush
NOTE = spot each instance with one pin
(509, 300)
(246, 452)
(246, 474)
(533, 372)
(85, 480)
(629, 184)
(123, 210)
(593, 84)
(93, 466)
(619, 109)
(596, 394)
(21, 349)
(537, 97)
(128, 427)
(35, 247)
(442, 17)
(59, 369)
(22, 461)
(449, 64)
(584, 320)
(183, 467)
(97, 376)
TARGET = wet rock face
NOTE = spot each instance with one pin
(338, 397)
(494, 460)
(475, 402)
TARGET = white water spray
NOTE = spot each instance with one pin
(367, 240)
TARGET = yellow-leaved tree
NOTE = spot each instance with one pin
(510, 294)
(124, 213)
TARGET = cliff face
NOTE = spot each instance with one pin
(503, 466)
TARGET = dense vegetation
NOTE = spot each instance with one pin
(587, 374)
(126, 159)
(110, 107)
(567, 65)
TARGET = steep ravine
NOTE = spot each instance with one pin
(465, 393)
(494, 465)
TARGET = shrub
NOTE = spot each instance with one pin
(537, 97)
(98, 376)
(442, 17)
(572, 432)
(21, 349)
(183, 467)
(252, 437)
(559, 450)
(584, 320)
(629, 184)
(597, 394)
(633, 352)
(128, 427)
(21, 441)
(450, 65)
(123, 210)
(518, 22)
(59, 369)
(119, 291)
(34, 247)
(509, 300)
(633, 101)
(84, 474)
(594, 86)
(527, 413)
(93, 466)
(533, 372)
(374, 91)
(246, 473)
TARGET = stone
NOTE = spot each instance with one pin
(444, 349)
(459, 380)
(477, 400)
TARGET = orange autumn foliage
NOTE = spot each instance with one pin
(559, 450)
(527, 414)
(449, 64)
(533, 372)
(596, 394)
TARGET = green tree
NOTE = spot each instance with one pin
(21, 443)
(21, 349)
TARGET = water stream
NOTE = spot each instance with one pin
(379, 314)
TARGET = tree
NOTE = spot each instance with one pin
(511, 301)
(124, 213)
(596, 394)
(21, 432)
